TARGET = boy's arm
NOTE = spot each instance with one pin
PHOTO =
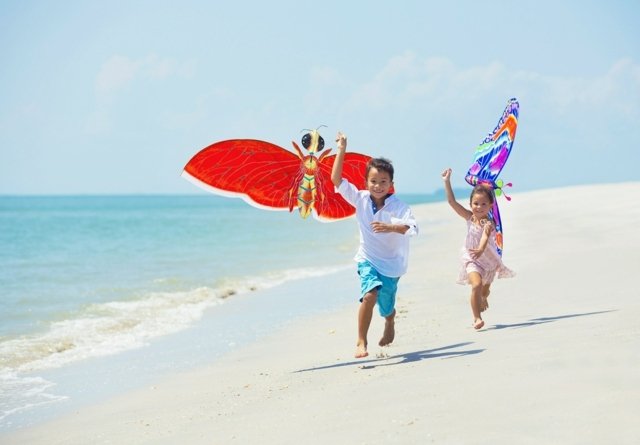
(451, 199)
(404, 225)
(336, 171)
(380, 227)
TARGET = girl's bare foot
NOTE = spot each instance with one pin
(478, 324)
(389, 333)
(485, 299)
(361, 350)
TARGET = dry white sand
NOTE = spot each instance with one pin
(557, 363)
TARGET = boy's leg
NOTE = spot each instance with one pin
(389, 330)
(475, 280)
(365, 313)
(386, 305)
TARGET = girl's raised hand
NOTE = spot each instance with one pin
(446, 175)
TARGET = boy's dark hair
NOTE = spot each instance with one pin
(380, 164)
(483, 189)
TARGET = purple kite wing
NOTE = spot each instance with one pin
(495, 215)
(492, 154)
(490, 158)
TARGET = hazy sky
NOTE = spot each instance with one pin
(116, 96)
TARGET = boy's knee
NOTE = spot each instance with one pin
(370, 297)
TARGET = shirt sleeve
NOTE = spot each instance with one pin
(407, 219)
(348, 191)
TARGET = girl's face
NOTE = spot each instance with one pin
(480, 205)
(378, 183)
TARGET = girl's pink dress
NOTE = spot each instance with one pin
(488, 264)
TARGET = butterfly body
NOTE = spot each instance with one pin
(270, 177)
(306, 194)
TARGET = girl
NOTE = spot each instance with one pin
(480, 259)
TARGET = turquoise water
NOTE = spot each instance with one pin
(85, 277)
(63, 255)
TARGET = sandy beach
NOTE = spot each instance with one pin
(558, 361)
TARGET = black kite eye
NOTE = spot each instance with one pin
(306, 140)
(320, 143)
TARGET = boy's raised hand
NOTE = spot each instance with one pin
(341, 140)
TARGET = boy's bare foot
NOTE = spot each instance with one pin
(361, 350)
(478, 324)
(389, 333)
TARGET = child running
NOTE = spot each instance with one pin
(480, 259)
(385, 224)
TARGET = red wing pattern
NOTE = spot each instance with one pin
(331, 206)
(263, 174)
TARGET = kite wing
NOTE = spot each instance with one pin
(332, 206)
(261, 173)
(491, 156)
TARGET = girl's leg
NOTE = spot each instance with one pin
(485, 297)
(365, 313)
(475, 280)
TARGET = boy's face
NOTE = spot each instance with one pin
(378, 183)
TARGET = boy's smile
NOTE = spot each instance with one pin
(378, 183)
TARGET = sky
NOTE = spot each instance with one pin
(114, 97)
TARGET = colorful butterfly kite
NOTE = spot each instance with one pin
(491, 156)
(269, 177)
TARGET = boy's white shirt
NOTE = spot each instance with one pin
(387, 252)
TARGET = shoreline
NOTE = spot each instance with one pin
(556, 362)
(218, 333)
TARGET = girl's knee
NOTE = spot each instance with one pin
(476, 286)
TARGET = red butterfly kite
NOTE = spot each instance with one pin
(269, 177)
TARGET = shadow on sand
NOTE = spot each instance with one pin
(410, 357)
(543, 320)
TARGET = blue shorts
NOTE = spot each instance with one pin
(387, 287)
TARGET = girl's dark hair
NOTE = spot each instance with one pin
(483, 189)
(380, 164)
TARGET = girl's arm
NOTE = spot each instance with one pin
(336, 171)
(451, 199)
(484, 240)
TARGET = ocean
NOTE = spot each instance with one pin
(88, 277)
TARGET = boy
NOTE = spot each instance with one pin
(385, 224)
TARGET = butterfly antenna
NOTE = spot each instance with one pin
(502, 188)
